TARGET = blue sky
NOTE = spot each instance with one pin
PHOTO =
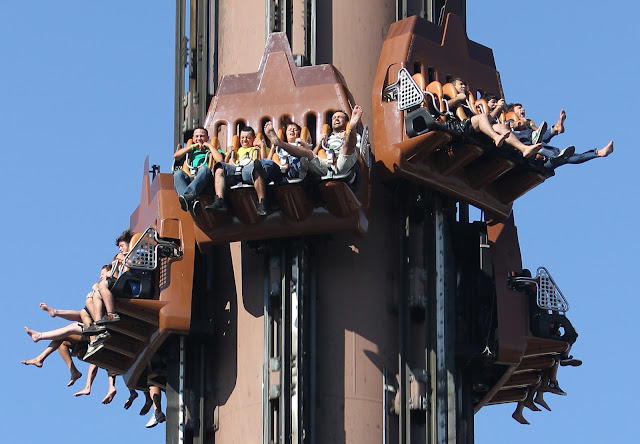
(87, 93)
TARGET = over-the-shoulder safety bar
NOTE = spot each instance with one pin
(143, 255)
(548, 295)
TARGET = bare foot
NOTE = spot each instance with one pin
(107, 399)
(356, 114)
(84, 391)
(75, 375)
(539, 399)
(271, 134)
(33, 361)
(147, 405)
(559, 126)
(132, 396)
(517, 415)
(532, 150)
(51, 311)
(608, 149)
(35, 335)
(501, 138)
(528, 403)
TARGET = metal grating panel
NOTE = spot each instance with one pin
(365, 147)
(549, 295)
(163, 279)
(143, 254)
(409, 93)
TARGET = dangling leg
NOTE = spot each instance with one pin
(482, 124)
(132, 396)
(158, 417)
(112, 389)
(66, 357)
(38, 361)
(148, 402)
(517, 414)
(93, 370)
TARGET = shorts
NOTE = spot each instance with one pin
(87, 310)
(343, 164)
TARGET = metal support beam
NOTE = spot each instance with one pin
(285, 350)
(174, 415)
(180, 64)
(311, 16)
(270, 18)
(213, 47)
(309, 345)
(401, 9)
(193, 52)
(442, 414)
(287, 404)
(286, 18)
(445, 319)
(271, 362)
(404, 428)
(202, 92)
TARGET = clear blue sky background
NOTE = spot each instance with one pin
(87, 93)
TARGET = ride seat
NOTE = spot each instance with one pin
(481, 106)
(434, 89)
(448, 89)
(209, 159)
(242, 162)
(283, 162)
(324, 153)
(511, 116)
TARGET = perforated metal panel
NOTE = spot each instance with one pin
(409, 93)
(142, 256)
(549, 295)
(364, 146)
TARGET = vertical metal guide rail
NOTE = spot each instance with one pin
(279, 17)
(429, 392)
(189, 366)
(195, 53)
(286, 383)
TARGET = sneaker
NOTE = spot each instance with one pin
(304, 168)
(92, 350)
(184, 203)
(536, 136)
(555, 389)
(258, 168)
(102, 337)
(93, 329)
(157, 418)
(108, 318)
(561, 158)
(261, 209)
(570, 361)
(218, 206)
(195, 207)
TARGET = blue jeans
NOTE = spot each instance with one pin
(525, 135)
(271, 168)
(184, 184)
(294, 168)
(551, 152)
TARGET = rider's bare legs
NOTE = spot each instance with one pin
(58, 333)
(91, 375)
(112, 389)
